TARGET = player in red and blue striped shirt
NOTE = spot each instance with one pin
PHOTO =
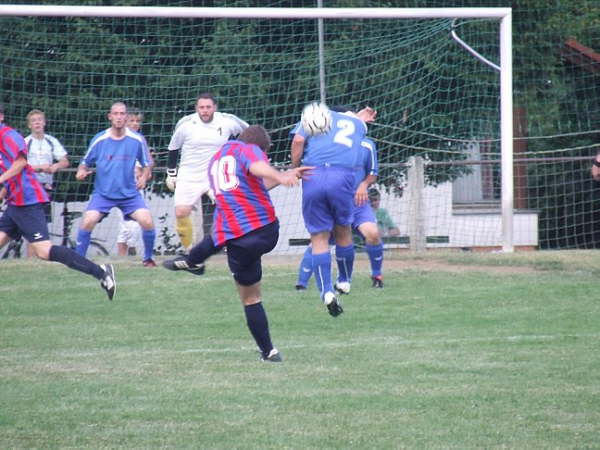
(25, 215)
(244, 222)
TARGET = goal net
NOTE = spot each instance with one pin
(438, 103)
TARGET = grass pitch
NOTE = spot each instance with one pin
(458, 351)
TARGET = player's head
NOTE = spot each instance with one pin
(374, 197)
(135, 118)
(118, 115)
(36, 120)
(255, 134)
(206, 105)
(1, 112)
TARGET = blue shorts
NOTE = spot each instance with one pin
(328, 198)
(244, 253)
(127, 205)
(363, 214)
(27, 221)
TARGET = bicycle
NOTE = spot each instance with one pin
(95, 248)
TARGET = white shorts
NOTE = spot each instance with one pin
(188, 193)
(130, 233)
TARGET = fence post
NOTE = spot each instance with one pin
(416, 208)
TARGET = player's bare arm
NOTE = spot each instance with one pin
(82, 172)
(62, 163)
(16, 168)
(361, 196)
(297, 150)
(273, 177)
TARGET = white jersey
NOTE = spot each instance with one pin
(199, 141)
(44, 151)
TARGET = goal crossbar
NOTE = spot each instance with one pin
(251, 13)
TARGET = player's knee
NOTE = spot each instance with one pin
(247, 277)
(42, 249)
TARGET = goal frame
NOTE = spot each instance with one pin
(504, 15)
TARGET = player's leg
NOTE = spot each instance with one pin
(122, 238)
(193, 262)
(244, 260)
(84, 234)
(97, 208)
(344, 255)
(134, 237)
(187, 194)
(374, 247)
(32, 224)
(135, 208)
(305, 269)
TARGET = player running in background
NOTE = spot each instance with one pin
(244, 223)
(114, 153)
(24, 215)
(199, 136)
(363, 221)
(328, 195)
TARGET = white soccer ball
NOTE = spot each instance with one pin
(316, 119)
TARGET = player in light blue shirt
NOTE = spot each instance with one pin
(114, 153)
(328, 194)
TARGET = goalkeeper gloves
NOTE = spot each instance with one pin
(171, 179)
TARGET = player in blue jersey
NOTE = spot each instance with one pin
(114, 153)
(244, 222)
(364, 222)
(328, 195)
(25, 215)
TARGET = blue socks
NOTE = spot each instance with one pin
(321, 264)
(148, 236)
(345, 262)
(375, 253)
(305, 271)
(83, 241)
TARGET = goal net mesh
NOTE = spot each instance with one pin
(435, 101)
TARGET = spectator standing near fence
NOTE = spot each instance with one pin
(46, 155)
(130, 231)
(24, 215)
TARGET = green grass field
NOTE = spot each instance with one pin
(459, 350)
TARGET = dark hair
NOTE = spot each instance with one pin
(208, 96)
(133, 111)
(255, 134)
(1, 108)
(340, 108)
(374, 193)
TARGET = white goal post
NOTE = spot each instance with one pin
(504, 15)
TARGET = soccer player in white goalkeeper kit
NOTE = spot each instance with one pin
(198, 136)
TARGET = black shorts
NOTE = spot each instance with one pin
(27, 221)
(244, 253)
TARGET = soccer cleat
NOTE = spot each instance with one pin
(273, 356)
(109, 283)
(300, 287)
(342, 287)
(180, 263)
(377, 281)
(149, 263)
(333, 304)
